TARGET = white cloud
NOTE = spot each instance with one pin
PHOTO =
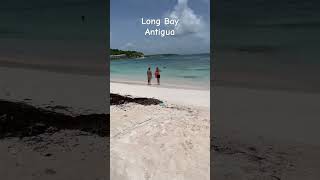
(189, 21)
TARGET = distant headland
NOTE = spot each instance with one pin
(120, 54)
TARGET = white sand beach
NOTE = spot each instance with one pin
(81, 93)
(189, 97)
(65, 154)
(265, 134)
(165, 141)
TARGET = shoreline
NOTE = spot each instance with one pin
(82, 94)
(55, 68)
(164, 85)
(165, 94)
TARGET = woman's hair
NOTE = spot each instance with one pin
(157, 69)
(148, 68)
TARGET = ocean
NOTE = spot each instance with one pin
(267, 44)
(33, 34)
(180, 71)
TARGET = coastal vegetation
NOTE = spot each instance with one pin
(116, 53)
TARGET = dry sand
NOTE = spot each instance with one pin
(186, 97)
(81, 93)
(159, 142)
(66, 154)
(265, 134)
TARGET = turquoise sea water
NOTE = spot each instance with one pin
(185, 71)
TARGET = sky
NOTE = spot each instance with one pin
(192, 35)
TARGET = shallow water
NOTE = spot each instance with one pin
(176, 70)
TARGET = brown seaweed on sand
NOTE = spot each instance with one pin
(116, 99)
(20, 120)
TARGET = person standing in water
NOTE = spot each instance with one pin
(149, 76)
(157, 75)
